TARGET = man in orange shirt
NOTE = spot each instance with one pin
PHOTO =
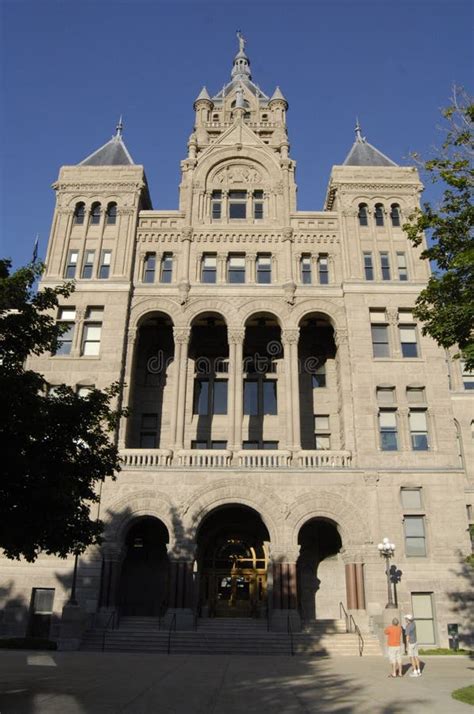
(394, 643)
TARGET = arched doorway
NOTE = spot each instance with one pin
(143, 585)
(233, 562)
(320, 570)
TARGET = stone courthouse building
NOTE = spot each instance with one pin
(286, 412)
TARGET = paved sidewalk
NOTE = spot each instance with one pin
(96, 683)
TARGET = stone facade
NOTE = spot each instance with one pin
(286, 310)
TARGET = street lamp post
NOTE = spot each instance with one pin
(387, 550)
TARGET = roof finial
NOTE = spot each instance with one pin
(119, 129)
(358, 131)
(241, 68)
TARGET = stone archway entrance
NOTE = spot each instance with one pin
(233, 562)
(143, 586)
(320, 570)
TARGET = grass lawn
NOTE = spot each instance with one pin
(444, 651)
(466, 695)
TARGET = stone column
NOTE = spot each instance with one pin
(236, 343)
(287, 239)
(360, 586)
(181, 341)
(355, 588)
(290, 342)
(127, 382)
(285, 597)
(347, 427)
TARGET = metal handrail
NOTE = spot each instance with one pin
(359, 635)
(342, 609)
(171, 628)
(290, 632)
(110, 621)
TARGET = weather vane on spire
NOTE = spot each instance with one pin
(242, 41)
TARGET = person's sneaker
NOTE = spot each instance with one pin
(413, 674)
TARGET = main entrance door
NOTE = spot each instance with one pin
(234, 566)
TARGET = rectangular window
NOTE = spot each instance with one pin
(322, 437)
(258, 205)
(408, 340)
(269, 392)
(220, 397)
(402, 266)
(216, 205)
(148, 431)
(209, 268)
(71, 264)
(236, 269)
(251, 397)
(368, 266)
(91, 335)
(149, 268)
(388, 430)
(67, 317)
(415, 541)
(166, 268)
(416, 395)
(201, 397)
(43, 599)
(198, 444)
(104, 269)
(264, 269)
(323, 269)
(318, 377)
(411, 498)
(215, 445)
(306, 269)
(88, 264)
(251, 445)
(422, 608)
(385, 395)
(83, 391)
(380, 341)
(467, 376)
(237, 204)
(270, 445)
(418, 429)
(385, 266)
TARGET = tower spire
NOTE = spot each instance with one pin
(358, 131)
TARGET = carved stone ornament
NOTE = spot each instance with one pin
(186, 233)
(238, 174)
(287, 234)
(290, 336)
(183, 289)
(392, 316)
(181, 335)
(289, 289)
(341, 336)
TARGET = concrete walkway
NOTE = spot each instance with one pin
(96, 683)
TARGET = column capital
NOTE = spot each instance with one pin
(290, 335)
(131, 336)
(236, 335)
(181, 335)
(392, 316)
(341, 337)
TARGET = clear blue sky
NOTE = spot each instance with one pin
(69, 69)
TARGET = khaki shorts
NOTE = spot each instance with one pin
(395, 655)
(412, 648)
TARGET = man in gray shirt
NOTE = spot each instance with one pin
(412, 645)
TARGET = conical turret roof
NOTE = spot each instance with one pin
(364, 154)
(113, 153)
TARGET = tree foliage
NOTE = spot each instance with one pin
(55, 448)
(446, 305)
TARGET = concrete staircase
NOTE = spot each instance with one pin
(240, 636)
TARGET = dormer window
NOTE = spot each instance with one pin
(237, 204)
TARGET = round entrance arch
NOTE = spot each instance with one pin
(232, 560)
(143, 586)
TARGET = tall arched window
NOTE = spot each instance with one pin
(95, 214)
(395, 214)
(79, 213)
(363, 215)
(111, 214)
(379, 214)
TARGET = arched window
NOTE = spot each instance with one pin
(215, 117)
(395, 214)
(95, 214)
(363, 215)
(378, 214)
(111, 214)
(79, 213)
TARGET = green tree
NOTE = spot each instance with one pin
(55, 448)
(446, 305)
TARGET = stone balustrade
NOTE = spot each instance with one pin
(244, 459)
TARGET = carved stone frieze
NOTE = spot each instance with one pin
(238, 174)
